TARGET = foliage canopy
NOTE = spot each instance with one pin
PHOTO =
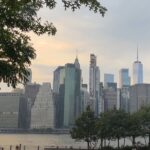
(112, 125)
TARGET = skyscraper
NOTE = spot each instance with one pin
(137, 71)
(108, 78)
(110, 97)
(42, 112)
(59, 75)
(124, 79)
(84, 97)
(58, 95)
(67, 94)
(94, 80)
(72, 95)
(139, 97)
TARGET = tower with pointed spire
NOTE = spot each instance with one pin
(137, 70)
(76, 63)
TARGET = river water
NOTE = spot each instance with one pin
(40, 141)
(32, 141)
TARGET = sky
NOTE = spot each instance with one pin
(113, 38)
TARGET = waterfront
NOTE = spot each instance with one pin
(32, 141)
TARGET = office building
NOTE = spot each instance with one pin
(137, 71)
(67, 94)
(84, 97)
(59, 107)
(13, 110)
(108, 78)
(42, 112)
(101, 104)
(139, 97)
(124, 78)
(72, 94)
(31, 91)
(58, 95)
(110, 97)
(94, 80)
(124, 98)
(59, 76)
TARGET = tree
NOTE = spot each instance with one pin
(112, 125)
(18, 17)
(134, 128)
(144, 117)
(86, 128)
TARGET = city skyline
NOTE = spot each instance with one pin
(113, 39)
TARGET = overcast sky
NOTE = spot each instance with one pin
(113, 39)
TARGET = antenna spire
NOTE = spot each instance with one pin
(76, 53)
(137, 53)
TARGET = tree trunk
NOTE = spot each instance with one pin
(109, 142)
(88, 145)
(149, 139)
(145, 140)
(133, 140)
(118, 142)
(124, 142)
(104, 142)
(101, 143)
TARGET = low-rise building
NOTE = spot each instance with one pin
(13, 108)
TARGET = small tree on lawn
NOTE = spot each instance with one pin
(85, 128)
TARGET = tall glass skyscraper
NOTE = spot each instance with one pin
(67, 94)
(108, 78)
(124, 79)
(94, 80)
(137, 71)
(72, 95)
(59, 75)
(58, 95)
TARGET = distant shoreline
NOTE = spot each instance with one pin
(34, 131)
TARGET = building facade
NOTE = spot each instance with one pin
(67, 94)
(42, 112)
(85, 98)
(59, 76)
(72, 94)
(12, 110)
(108, 78)
(31, 91)
(125, 98)
(94, 80)
(137, 71)
(110, 97)
(139, 97)
(58, 94)
(124, 78)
